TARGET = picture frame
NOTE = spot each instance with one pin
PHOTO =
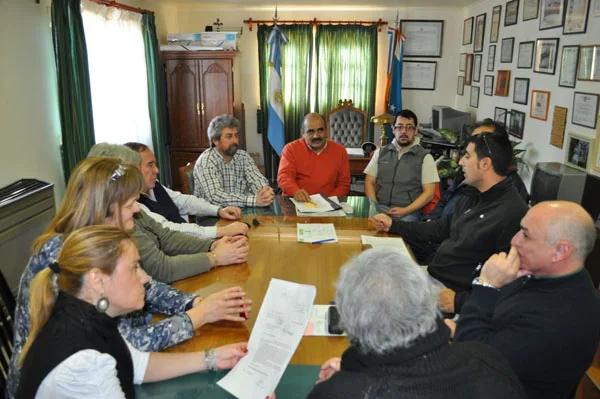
(568, 66)
(551, 14)
(423, 37)
(589, 63)
(460, 87)
(477, 67)
(511, 13)
(596, 159)
(525, 56)
(576, 16)
(467, 31)
(596, 9)
(502, 83)
(579, 149)
(495, 28)
(418, 75)
(540, 103)
(506, 50)
(585, 109)
(469, 69)
(488, 85)
(462, 62)
(521, 91)
(500, 115)
(491, 58)
(479, 33)
(530, 9)
(516, 126)
(546, 52)
(474, 100)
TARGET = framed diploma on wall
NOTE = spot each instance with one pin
(423, 37)
(418, 75)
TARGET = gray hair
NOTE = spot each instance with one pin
(564, 226)
(216, 126)
(385, 301)
(126, 155)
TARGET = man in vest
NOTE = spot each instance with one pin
(401, 176)
(170, 208)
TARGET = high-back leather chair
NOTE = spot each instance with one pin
(346, 124)
(186, 173)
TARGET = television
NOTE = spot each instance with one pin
(443, 117)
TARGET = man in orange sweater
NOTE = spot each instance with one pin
(313, 164)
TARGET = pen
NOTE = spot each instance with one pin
(322, 241)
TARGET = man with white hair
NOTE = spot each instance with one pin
(537, 304)
(399, 344)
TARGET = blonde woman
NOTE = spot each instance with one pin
(74, 348)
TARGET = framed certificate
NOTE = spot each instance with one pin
(576, 16)
(512, 13)
(521, 91)
(525, 57)
(488, 85)
(506, 51)
(540, 102)
(579, 151)
(474, 97)
(596, 159)
(479, 33)
(530, 9)
(546, 51)
(589, 63)
(502, 83)
(460, 87)
(477, 68)
(423, 37)
(495, 28)
(551, 14)
(500, 115)
(462, 62)
(517, 123)
(418, 75)
(469, 69)
(585, 109)
(568, 66)
(491, 58)
(467, 31)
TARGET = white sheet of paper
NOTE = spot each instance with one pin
(328, 214)
(355, 152)
(395, 242)
(322, 204)
(316, 233)
(318, 323)
(276, 334)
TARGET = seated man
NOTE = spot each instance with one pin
(225, 175)
(399, 346)
(170, 208)
(401, 176)
(537, 305)
(313, 164)
(478, 227)
(457, 187)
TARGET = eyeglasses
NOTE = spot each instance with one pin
(484, 135)
(408, 128)
(120, 171)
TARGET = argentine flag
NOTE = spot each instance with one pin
(275, 132)
(395, 70)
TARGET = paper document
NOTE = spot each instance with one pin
(355, 152)
(327, 214)
(318, 323)
(316, 233)
(317, 203)
(395, 242)
(276, 334)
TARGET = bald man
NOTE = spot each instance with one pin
(537, 304)
(313, 164)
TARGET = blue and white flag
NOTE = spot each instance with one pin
(394, 99)
(275, 132)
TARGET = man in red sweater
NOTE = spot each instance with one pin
(313, 164)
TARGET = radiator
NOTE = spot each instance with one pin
(26, 208)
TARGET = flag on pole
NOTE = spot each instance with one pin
(275, 132)
(394, 90)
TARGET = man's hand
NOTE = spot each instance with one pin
(265, 196)
(452, 326)
(447, 300)
(502, 269)
(397, 212)
(329, 368)
(302, 195)
(382, 222)
(233, 229)
(230, 213)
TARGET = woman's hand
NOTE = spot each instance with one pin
(229, 355)
(231, 250)
(224, 305)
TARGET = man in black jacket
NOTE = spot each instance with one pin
(480, 226)
(537, 304)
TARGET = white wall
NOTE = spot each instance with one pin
(29, 120)
(195, 18)
(536, 137)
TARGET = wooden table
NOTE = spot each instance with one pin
(275, 253)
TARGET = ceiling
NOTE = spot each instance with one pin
(322, 3)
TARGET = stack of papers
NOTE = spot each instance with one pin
(394, 242)
(316, 233)
(319, 206)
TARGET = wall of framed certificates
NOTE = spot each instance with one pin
(542, 67)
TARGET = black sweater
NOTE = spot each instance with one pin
(430, 368)
(478, 228)
(548, 328)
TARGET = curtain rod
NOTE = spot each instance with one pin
(315, 21)
(114, 4)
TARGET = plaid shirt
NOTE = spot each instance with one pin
(227, 184)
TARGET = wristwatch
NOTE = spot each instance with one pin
(477, 281)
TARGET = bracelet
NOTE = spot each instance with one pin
(477, 281)
(210, 360)
(214, 256)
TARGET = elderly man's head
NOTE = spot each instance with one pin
(125, 155)
(313, 131)
(555, 238)
(147, 164)
(385, 301)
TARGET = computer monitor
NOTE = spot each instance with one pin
(443, 117)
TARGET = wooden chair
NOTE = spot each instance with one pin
(186, 174)
(346, 124)
(7, 316)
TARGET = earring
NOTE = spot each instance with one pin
(102, 304)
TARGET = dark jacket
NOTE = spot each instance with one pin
(430, 368)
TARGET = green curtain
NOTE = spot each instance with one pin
(347, 67)
(156, 96)
(296, 65)
(74, 95)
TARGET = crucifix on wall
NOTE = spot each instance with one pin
(217, 25)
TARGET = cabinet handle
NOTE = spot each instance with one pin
(198, 108)
(202, 109)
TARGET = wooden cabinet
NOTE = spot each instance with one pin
(199, 88)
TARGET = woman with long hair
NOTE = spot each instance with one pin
(74, 348)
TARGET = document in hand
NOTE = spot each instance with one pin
(394, 242)
(316, 233)
(318, 203)
(277, 331)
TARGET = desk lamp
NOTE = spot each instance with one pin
(382, 120)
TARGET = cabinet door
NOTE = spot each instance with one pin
(184, 105)
(217, 90)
